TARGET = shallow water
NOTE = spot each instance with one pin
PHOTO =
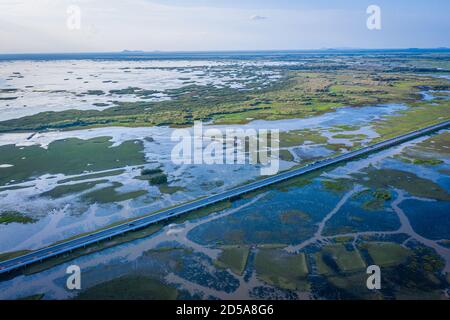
(62, 85)
(266, 218)
(62, 218)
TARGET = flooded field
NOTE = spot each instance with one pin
(328, 227)
(87, 144)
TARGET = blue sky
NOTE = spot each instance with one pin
(174, 25)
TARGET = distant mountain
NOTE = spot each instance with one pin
(140, 51)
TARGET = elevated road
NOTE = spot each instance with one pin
(83, 241)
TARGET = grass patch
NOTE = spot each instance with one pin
(130, 288)
(298, 137)
(346, 260)
(300, 94)
(69, 157)
(294, 217)
(12, 255)
(350, 136)
(411, 183)
(337, 185)
(110, 194)
(93, 176)
(165, 188)
(278, 268)
(419, 115)
(234, 258)
(33, 297)
(148, 172)
(65, 190)
(7, 217)
(386, 254)
(286, 155)
(379, 197)
(153, 176)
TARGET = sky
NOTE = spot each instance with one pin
(43, 26)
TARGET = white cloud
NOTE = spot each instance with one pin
(256, 17)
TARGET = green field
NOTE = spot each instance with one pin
(234, 258)
(346, 260)
(130, 288)
(385, 254)
(69, 156)
(111, 195)
(7, 217)
(65, 190)
(281, 269)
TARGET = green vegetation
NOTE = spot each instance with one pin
(411, 183)
(281, 269)
(130, 236)
(408, 273)
(110, 194)
(346, 260)
(94, 92)
(350, 136)
(436, 144)
(165, 188)
(296, 182)
(12, 255)
(386, 254)
(286, 155)
(33, 297)
(338, 185)
(93, 176)
(149, 172)
(134, 91)
(343, 239)
(223, 205)
(7, 217)
(130, 288)
(54, 261)
(69, 156)
(431, 162)
(158, 179)
(419, 115)
(353, 286)
(299, 137)
(14, 188)
(65, 190)
(153, 176)
(294, 216)
(344, 127)
(234, 258)
(379, 197)
(420, 276)
(382, 194)
(428, 152)
(300, 94)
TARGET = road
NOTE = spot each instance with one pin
(54, 250)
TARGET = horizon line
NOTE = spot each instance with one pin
(125, 51)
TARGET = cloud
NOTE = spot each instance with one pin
(256, 18)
